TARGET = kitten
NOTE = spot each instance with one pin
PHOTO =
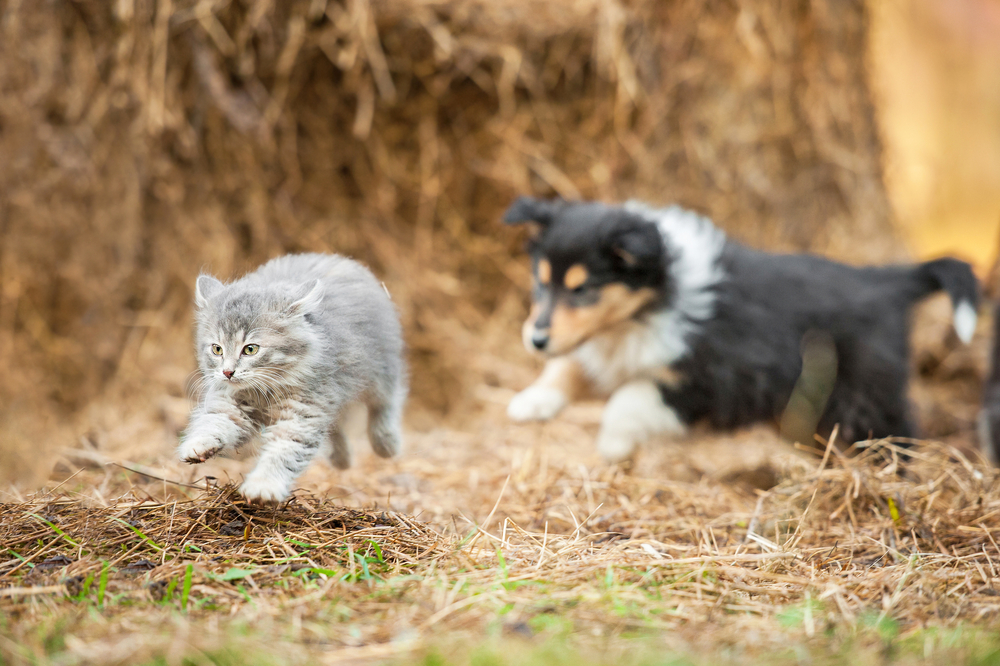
(282, 351)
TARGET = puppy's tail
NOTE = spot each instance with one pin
(956, 278)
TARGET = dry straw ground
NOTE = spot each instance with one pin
(142, 140)
(513, 546)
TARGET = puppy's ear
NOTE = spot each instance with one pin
(530, 209)
(637, 248)
(206, 287)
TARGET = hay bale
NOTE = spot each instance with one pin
(145, 140)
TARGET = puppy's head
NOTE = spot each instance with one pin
(595, 266)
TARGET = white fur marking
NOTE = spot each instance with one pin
(615, 357)
(635, 412)
(269, 486)
(536, 403)
(194, 449)
(965, 321)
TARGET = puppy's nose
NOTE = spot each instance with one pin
(539, 339)
(228, 373)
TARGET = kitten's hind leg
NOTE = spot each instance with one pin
(340, 454)
(385, 416)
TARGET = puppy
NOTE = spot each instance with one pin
(678, 324)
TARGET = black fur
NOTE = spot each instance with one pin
(529, 209)
(745, 361)
(614, 246)
(742, 362)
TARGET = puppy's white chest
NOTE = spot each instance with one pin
(635, 351)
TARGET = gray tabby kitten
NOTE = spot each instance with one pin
(282, 351)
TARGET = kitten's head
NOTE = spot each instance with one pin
(254, 336)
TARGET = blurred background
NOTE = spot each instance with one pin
(142, 141)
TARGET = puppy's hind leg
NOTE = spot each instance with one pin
(869, 396)
(635, 412)
(385, 420)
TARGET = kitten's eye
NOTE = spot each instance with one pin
(217, 350)
(250, 350)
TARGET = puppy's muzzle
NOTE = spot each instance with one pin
(540, 339)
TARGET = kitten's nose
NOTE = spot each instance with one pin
(539, 339)
(228, 373)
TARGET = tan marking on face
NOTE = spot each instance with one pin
(571, 326)
(575, 276)
(544, 271)
(626, 256)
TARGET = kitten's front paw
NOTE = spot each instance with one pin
(536, 403)
(264, 489)
(198, 449)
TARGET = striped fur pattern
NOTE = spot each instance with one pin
(281, 353)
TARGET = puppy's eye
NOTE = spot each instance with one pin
(250, 350)
(578, 289)
(217, 350)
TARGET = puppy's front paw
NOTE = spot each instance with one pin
(616, 447)
(536, 403)
(198, 449)
(264, 489)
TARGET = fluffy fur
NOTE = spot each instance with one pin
(282, 351)
(634, 298)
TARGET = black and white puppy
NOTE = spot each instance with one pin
(678, 324)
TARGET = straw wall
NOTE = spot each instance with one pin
(141, 141)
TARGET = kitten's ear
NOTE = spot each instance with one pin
(206, 287)
(530, 209)
(309, 296)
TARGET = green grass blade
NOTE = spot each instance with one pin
(55, 529)
(364, 566)
(141, 535)
(102, 584)
(13, 552)
(87, 583)
(168, 596)
(186, 589)
(234, 574)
